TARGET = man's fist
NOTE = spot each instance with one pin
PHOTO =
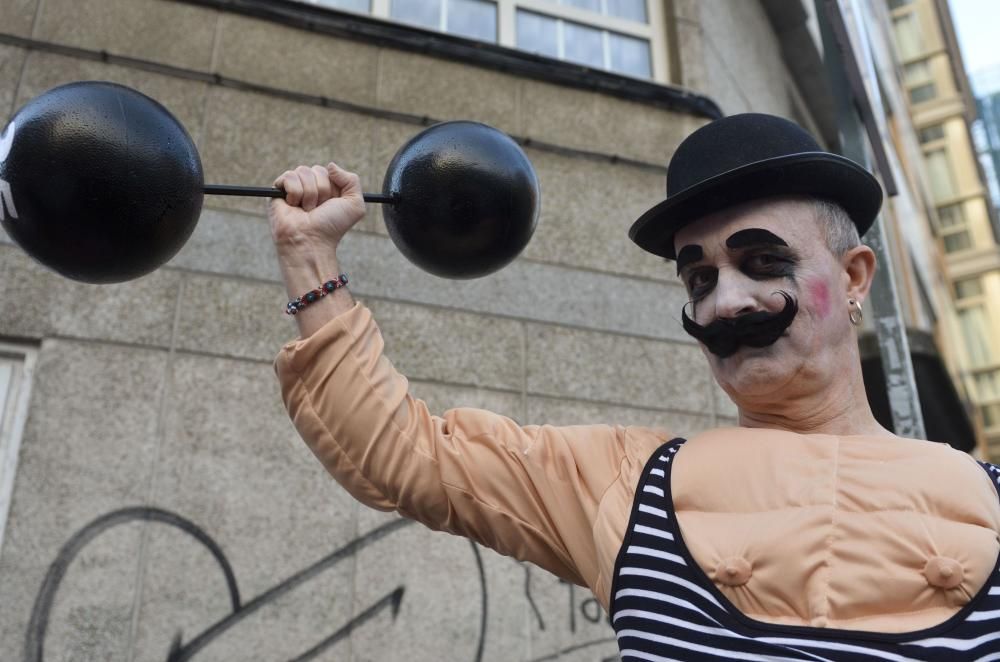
(321, 204)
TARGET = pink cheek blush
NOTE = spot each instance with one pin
(819, 293)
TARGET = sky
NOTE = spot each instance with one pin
(977, 23)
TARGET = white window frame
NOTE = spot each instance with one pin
(14, 398)
(653, 31)
(974, 301)
(983, 402)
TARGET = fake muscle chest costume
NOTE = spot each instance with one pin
(837, 535)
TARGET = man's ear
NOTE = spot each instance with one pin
(859, 269)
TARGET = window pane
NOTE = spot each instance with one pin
(959, 241)
(917, 73)
(950, 216)
(908, 36)
(475, 19)
(988, 385)
(931, 133)
(425, 13)
(976, 333)
(362, 6)
(939, 170)
(583, 45)
(968, 287)
(633, 10)
(991, 415)
(537, 34)
(629, 55)
(923, 93)
(592, 5)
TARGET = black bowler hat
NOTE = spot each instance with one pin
(745, 157)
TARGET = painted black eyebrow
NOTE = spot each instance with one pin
(687, 255)
(754, 237)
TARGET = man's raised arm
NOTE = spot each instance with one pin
(529, 492)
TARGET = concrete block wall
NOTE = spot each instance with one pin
(729, 50)
(162, 498)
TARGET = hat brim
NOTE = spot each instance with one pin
(820, 174)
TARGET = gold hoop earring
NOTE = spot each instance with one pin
(855, 313)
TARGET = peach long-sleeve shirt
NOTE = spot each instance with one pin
(845, 532)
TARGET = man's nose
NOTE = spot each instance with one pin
(734, 295)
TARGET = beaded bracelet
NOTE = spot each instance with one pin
(312, 296)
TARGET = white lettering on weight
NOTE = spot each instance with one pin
(6, 195)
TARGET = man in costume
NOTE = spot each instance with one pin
(808, 532)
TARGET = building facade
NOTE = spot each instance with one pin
(154, 497)
(942, 109)
(922, 296)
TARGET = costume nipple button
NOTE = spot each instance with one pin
(734, 571)
(943, 572)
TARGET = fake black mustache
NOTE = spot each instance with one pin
(724, 336)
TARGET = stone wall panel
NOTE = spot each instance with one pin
(594, 123)
(616, 369)
(184, 99)
(509, 617)
(230, 317)
(436, 579)
(231, 243)
(42, 303)
(88, 449)
(251, 139)
(173, 33)
(18, 16)
(11, 64)
(741, 75)
(449, 346)
(523, 289)
(443, 90)
(587, 209)
(286, 58)
(233, 465)
(237, 244)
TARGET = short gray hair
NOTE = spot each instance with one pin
(837, 227)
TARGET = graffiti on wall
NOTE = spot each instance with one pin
(580, 608)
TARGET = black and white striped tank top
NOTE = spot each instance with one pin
(663, 607)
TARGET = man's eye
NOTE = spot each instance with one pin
(762, 260)
(700, 281)
(767, 262)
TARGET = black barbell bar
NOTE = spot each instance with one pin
(261, 192)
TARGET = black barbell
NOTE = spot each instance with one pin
(102, 184)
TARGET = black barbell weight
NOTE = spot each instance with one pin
(102, 184)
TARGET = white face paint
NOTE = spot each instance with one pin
(6, 195)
